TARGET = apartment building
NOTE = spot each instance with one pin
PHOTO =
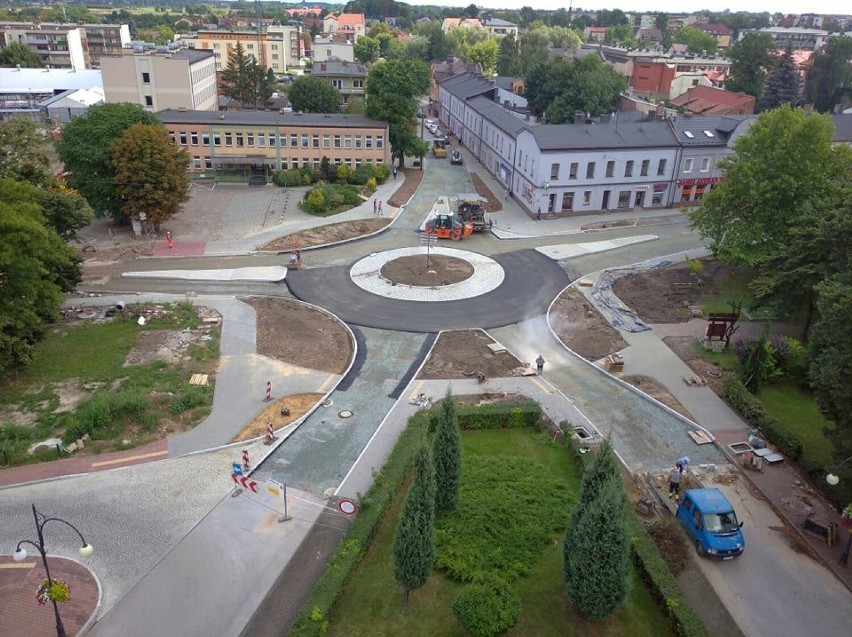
(293, 45)
(349, 25)
(349, 78)
(160, 80)
(74, 46)
(796, 37)
(269, 49)
(263, 141)
(326, 48)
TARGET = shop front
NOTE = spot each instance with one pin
(692, 190)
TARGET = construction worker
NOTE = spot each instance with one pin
(674, 483)
(539, 363)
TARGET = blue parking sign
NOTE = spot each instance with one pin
(238, 469)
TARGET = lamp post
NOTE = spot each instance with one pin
(21, 554)
(833, 479)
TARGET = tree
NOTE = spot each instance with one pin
(471, 11)
(696, 40)
(311, 94)
(355, 106)
(85, 149)
(366, 49)
(150, 174)
(830, 74)
(597, 543)
(241, 78)
(414, 543)
(416, 48)
(36, 269)
(782, 84)
(446, 454)
(439, 47)
(620, 34)
(485, 53)
(419, 150)
(750, 58)
(507, 57)
(65, 210)
(783, 163)
(24, 151)
(19, 54)
(597, 552)
(392, 90)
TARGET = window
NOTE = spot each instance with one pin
(705, 164)
(357, 141)
(172, 136)
(590, 170)
(587, 197)
(261, 140)
(568, 201)
(294, 140)
(205, 139)
(554, 171)
(610, 168)
(687, 164)
(628, 169)
(689, 134)
(149, 101)
(369, 142)
(686, 193)
(249, 139)
(196, 162)
(183, 139)
(272, 138)
(193, 138)
(707, 133)
(347, 141)
(240, 141)
(146, 78)
(306, 161)
(304, 140)
(326, 141)
(661, 167)
(645, 164)
(337, 141)
(315, 141)
(380, 141)
(624, 199)
(657, 199)
(358, 83)
(217, 139)
(208, 163)
(572, 173)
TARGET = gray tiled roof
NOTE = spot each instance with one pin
(338, 67)
(467, 85)
(628, 130)
(842, 127)
(193, 55)
(499, 116)
(721, 127)
(268, 118)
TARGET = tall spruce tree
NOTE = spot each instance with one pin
(596, 549)
(446, 454)
(782, 84)
(414, 544)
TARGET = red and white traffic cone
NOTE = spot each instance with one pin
(270, 434)
(246, 465)
(269, 390)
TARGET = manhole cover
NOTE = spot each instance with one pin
(328, 403)
(345, 414)
(715, 373)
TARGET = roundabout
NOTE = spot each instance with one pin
(446, 274)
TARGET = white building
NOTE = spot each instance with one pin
(23, 90)
(60, 109)
(325, 48)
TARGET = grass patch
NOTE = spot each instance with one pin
(725, 359)
(797, 412)
(371, 604)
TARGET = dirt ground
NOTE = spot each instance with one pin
(664, 295)
(413, 177)
(657, 391)
(580, 326)
(326, 234)
(107, 256)
(168, 346)
(300, 335)
(682, 347)
(494, 204)
(600, 225)
(298, 404)
(462, 353)
(442, 270)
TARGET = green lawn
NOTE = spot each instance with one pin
(372, 602)
(726, 359)
(796, 411)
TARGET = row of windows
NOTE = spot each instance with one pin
(283, 163)
(271, 140)
(629, 169)
(338, 84)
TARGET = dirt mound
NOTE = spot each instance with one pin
(583, 329)
(441, 270)
(461, 353)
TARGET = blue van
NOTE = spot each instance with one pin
(711, 523)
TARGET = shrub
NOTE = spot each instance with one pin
(750, 408)
(381, 173)
(663, 585)
(315, 202)
(489, 609)
(99, 414)
(495, 416)
(371, 184)
(189, 398)
(287, 178)
(361, 175)
(344, 172)
(791, 357)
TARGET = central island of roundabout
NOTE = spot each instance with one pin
(456, 289)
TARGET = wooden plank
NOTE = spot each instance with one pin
(699, 437)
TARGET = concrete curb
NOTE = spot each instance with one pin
(94, 616)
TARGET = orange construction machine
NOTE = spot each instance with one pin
(443, 223)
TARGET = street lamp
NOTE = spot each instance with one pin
(833, 479)
(21, 554)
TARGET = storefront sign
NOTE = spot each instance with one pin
(642, 187)
(704, 181)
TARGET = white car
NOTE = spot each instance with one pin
(429, 123)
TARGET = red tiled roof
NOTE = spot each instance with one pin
(708, 100)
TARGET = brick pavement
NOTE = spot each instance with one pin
(20, 613)
(82, 464)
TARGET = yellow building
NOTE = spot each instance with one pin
(269, 49)
(263, 141)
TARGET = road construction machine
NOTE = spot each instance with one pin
(439, 148)
(443, 223)
(472, 210)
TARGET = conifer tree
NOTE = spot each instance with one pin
(446, 454)
(782, 85)
(414, 544)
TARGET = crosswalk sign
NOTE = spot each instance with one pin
(237, 469)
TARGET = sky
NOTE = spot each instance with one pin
(667, 6)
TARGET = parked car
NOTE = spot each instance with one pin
(456, 157)
(429, 123)
(711, 523)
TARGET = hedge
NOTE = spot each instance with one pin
(526, 413)
(750, 408)
(663, 585)
(313, 618)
